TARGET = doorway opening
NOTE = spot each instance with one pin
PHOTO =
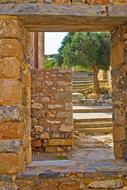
(92, 97)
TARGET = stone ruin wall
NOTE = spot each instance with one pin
(119, 88)
(15, 86)
(68, 1)
(52, 125)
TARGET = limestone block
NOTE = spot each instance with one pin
(9, 68)
(68, 106)
(29, 154)
(9, 26)
(11, 48)
(61, 142)
(44, 135)
(66, 128)
(107, 184)
(11, 163)
(10, 146)
(12, 130)
(64, 114)
(117, 57)
(118, 150)
(10, 113)
(71, 185)
(36, 143)
(37, 106)
(50, 185)
(10, 92)
(119, 133)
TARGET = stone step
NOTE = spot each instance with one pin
(92, 117)
(92, 104)
(84, 85)
(91, 109)
(82, 82)
(95, 131)
(83, 125)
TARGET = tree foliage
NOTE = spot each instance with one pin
(87, 49)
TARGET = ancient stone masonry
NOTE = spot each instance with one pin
(68, 1)
(119, 80)
(15, 84)
(52, 129)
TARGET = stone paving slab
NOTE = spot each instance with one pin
(49, 169)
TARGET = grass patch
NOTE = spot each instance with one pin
(61, 157)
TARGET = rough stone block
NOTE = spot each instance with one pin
(12, 130)
(29, 154)
(50, 185)
(117, 58)
(10, 146)
(10, 113)
(118, 152)
(11, 163)
(9, 26)
(10, 92)
(106, 184)
(9, 68)
(66, 128)
(119, 133)
(11, 48)
(61, 142)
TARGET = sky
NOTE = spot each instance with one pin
(53, 41)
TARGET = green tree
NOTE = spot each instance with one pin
(49, 63)
(67, 40)
(90, 51)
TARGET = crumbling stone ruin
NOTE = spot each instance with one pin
(17, 19)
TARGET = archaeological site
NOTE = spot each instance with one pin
(43, 111)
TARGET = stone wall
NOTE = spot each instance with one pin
(119, 82)
(52, 128)
(69, 1)
(15, 145)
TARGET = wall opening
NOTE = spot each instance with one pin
(92, 113)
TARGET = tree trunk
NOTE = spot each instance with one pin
(95, 80)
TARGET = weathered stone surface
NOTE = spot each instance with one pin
(11, 48)
(11, 163)
(9, 68)
(9, 27)
(50, 185)
(66, 128)
(14, 98)
(51, 117)
(10, 113)
(105, 184)
(92, 18)
(10, 146)
(10, 92)
(119, 133)
(9, 130)
(60, 142)
(118, 55)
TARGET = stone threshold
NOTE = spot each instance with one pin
(57, 175)
(60, 168)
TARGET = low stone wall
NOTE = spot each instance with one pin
(42, 176)
(52, 128)
(68, 1)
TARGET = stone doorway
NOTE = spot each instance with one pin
(15, 86)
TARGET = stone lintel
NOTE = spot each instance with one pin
(54, 17)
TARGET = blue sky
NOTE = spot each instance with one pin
(53, 41)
